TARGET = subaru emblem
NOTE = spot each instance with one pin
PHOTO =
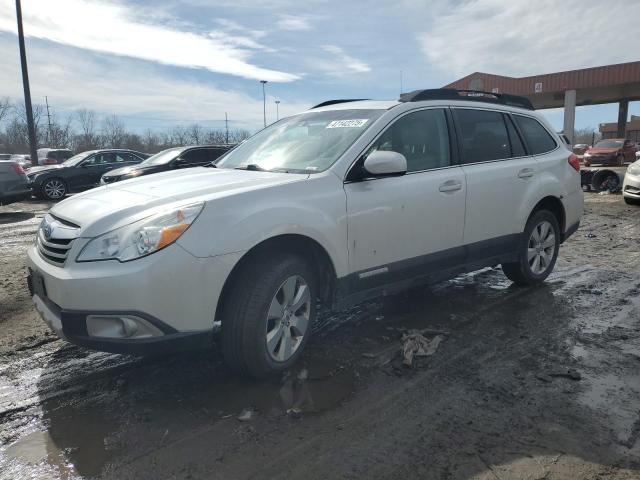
(46, 229)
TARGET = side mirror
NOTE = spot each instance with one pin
(382, 163)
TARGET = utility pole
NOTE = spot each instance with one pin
(277, 110)
(226, 126)
(46, 100)
(401, 87)
(264, 103)
(27, 91)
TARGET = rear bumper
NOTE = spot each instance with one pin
(631, 186)
(71, 325)
(15, 196)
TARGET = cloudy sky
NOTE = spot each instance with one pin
(157, 63)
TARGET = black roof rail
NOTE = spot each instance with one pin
(334, 102)
(471, 95)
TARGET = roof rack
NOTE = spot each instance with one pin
(334, 102)
(471, 95)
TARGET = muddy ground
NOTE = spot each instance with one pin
(536, 383)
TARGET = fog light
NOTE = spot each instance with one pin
(120, 326)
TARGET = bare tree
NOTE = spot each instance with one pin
(195, 134)
(114, 132)
(5, 107)
(88, 137)
(586, 135)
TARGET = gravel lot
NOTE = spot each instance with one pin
(536, 383)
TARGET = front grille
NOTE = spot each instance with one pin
(55, 246)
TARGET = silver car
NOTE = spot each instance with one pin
(13, 183)
(631, 184)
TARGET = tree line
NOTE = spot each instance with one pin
(84, 130)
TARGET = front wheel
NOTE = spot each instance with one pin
(54, 189)
(537, 250)
(268, 315)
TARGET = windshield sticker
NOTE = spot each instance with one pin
(355, 123)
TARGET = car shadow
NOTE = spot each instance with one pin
(15, 217)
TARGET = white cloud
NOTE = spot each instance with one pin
(293, 23)
(340, 63)
(521, 37)
(130, 87)
(114, 28)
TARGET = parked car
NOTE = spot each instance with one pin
(631, 184)
(612, 151)
(345, 202)
(23, 159)
(79, 172)
(170, 159)
(13, 183)
(580, 148)
(53, 156)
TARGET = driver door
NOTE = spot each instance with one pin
(400, 227)
(94, 167)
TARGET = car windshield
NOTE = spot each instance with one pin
(165, 156)
(609, 144)
(70, 162)
(309, 142)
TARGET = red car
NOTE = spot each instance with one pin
(612, 151)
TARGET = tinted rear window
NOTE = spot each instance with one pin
(483, 135)
(536, 136)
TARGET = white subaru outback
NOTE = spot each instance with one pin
(346, 201)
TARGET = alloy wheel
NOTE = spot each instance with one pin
(54, 189)
(541, 247)
(288, 318)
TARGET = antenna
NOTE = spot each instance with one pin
(46, 100)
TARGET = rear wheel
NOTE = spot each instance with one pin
(54, 189)
(620, 160)
(268, 315)
(537, 251)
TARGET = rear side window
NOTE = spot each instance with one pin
(422, 137)
(483, 135)
(536, 136)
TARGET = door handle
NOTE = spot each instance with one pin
(526, 173)
(450, 186)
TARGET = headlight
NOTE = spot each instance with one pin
(634, 169)
(587, 154)
(141, 238)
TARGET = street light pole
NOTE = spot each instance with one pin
(277, 110)
(264, 103)
(27, 91)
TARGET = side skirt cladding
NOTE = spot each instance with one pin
(423, 270)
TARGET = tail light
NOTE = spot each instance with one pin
(18, 169)
(574, 162)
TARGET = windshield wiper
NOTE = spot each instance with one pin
(252, 166)
(210, 165)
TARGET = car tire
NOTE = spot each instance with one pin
(620, 160)
(631, 201)
(262, 331)
(535, 260)
(53, 189)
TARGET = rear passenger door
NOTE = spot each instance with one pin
(498, 174)
(193, 158)
(411, 225)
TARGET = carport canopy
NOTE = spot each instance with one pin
(589, 86)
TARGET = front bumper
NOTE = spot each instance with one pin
(631, 186)
(172, 291)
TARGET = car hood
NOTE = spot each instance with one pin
(102, 209)
(603, 151)
(44, 168)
